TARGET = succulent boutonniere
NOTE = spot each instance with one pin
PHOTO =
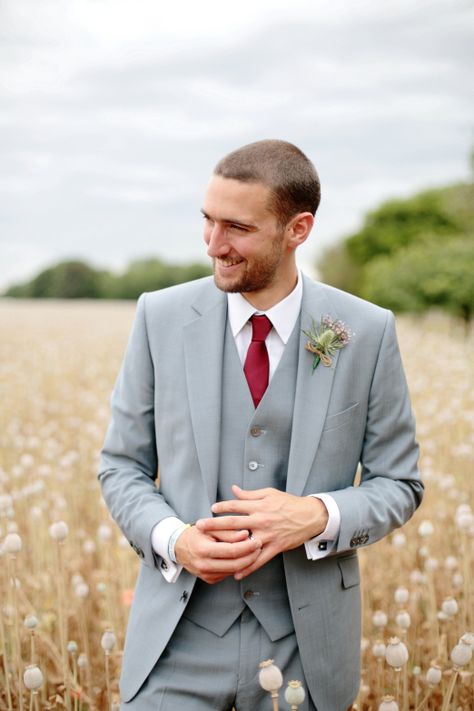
(325, 338)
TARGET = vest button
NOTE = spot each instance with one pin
(253, 466)
(248, 594)
(255, 431)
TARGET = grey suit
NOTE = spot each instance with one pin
(166, 407)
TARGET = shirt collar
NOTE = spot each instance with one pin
(283, 315)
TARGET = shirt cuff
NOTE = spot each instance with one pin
(160, 536)
(321, 545)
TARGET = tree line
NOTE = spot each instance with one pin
(411, 254)
(76, 279)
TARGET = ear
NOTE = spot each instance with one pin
(298, 229)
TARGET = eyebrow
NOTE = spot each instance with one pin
(230, 221)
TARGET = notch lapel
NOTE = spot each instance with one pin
(313, 392)
(203, 347)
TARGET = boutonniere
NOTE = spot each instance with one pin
(325, 338)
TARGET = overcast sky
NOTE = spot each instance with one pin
(114, 112)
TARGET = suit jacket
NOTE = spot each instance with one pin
(166, 415)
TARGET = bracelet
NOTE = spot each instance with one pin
(173, 539)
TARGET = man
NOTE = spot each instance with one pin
(260, 449)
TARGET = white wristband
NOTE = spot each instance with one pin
(173, 539)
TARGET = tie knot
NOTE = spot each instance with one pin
(261, 327)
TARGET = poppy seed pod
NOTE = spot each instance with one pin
(417, 577)
(12, 543)
(59, 531)
(464, 520)
(108, 641)
(81, 590)
(30, 622)
(461, 654)
(104, 533)
(270, 677)
(450, 562)
(449, 606)
(89, 546)
(82, 661)
(388, 704)
(378, 649)
(294, 693)
(468, 638)
(403, 619)
(401, 596)
(425, 529)
(433, 675)
(33, 677)
(396, 653)
(431, 564)
(399, 540)
(379, 618)
(72, 647)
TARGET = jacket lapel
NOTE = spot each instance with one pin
(203, 347)
(313, 391)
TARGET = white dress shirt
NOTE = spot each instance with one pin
(283, 317)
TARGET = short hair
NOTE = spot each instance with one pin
(283, 168)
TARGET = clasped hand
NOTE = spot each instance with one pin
(250, 530)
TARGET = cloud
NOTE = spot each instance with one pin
(114, 113)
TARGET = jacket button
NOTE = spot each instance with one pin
(164, 565)
(255, 431)
(253, 466)
(353, 542)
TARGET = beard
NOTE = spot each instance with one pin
(255, 275)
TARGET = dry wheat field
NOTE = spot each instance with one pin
(67, 573)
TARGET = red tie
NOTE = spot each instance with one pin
(257, 364)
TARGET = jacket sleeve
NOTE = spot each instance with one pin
(390, 488)
(129, 463)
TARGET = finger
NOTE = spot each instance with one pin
(213, 566)
(266, 554)
(234, 506)
(251, 494)
(230, 536)
(232, 551)
(231, 523)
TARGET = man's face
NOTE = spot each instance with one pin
(245, 242)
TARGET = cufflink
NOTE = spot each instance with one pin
(322, 546)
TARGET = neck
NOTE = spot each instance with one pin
(271, 295)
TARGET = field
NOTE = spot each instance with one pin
(61, 589)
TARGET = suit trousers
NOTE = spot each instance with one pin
(199, 671)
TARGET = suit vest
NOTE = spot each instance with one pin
(254, 449)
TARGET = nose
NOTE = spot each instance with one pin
(215, 238)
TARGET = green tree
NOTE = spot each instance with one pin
(338, 269)
(75, 279)
(71, 279)
(437, 274)
(399, 223)
(150, 274)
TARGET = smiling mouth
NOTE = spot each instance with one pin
(229, 262)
